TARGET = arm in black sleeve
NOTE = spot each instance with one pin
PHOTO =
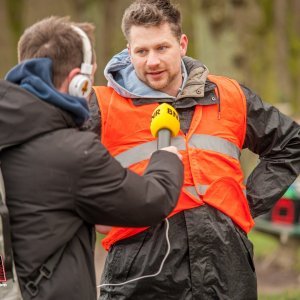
(93, 124)
(276, 139)
(108, 194)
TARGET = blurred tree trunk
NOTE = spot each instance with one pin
(221, 35)
(84, 10)
(295, 56)
(107, 36)
(110, 39)
(15, 19)
(188, 9)
(282, 49)
(80, 7)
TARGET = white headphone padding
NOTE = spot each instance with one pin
(80, 86)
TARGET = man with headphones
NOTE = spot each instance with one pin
(61, 181)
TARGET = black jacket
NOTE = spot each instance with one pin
(60, 181)
(210, 257)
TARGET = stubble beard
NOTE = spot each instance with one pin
(162, 85)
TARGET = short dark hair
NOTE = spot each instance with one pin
(152, 13)
(54, 37)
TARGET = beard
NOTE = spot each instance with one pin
(163, 83)
(158, 84)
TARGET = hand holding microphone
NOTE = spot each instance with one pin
(164, 124)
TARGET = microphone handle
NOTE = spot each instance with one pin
(164, 138)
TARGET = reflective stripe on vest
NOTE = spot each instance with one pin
(144, 151)
(201, 188)
(214, 143)
(192, 190)
(199, 141)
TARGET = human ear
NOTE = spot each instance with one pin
(129, 51)
(183, 44)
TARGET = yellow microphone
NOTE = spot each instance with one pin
(164, 124)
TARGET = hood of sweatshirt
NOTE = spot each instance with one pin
(30, 106)
(121, 76)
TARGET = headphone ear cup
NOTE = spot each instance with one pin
(80, 86)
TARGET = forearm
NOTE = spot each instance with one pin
(276, 139)
(108, 194)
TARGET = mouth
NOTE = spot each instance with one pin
(155, 75)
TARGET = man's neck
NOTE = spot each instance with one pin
(177, 87)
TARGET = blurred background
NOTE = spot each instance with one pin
(256, 42)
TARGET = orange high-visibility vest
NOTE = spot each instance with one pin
(211, 150)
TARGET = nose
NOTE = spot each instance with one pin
(152, 59)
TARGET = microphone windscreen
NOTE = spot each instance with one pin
(165, 116)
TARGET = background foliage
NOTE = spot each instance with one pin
(255, 41)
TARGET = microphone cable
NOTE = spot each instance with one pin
(151, 275)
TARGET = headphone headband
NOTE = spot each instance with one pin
(86, 66)
(81, 84)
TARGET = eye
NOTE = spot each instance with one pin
(162, 48)
(141, 52)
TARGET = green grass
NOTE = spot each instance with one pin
(297, 265)
(288, 295)
(264, 244)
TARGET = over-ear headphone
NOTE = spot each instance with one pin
(81, 84)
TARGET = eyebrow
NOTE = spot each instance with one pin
(164, 43)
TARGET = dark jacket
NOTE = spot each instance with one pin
(210, 257)
(60, 181)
